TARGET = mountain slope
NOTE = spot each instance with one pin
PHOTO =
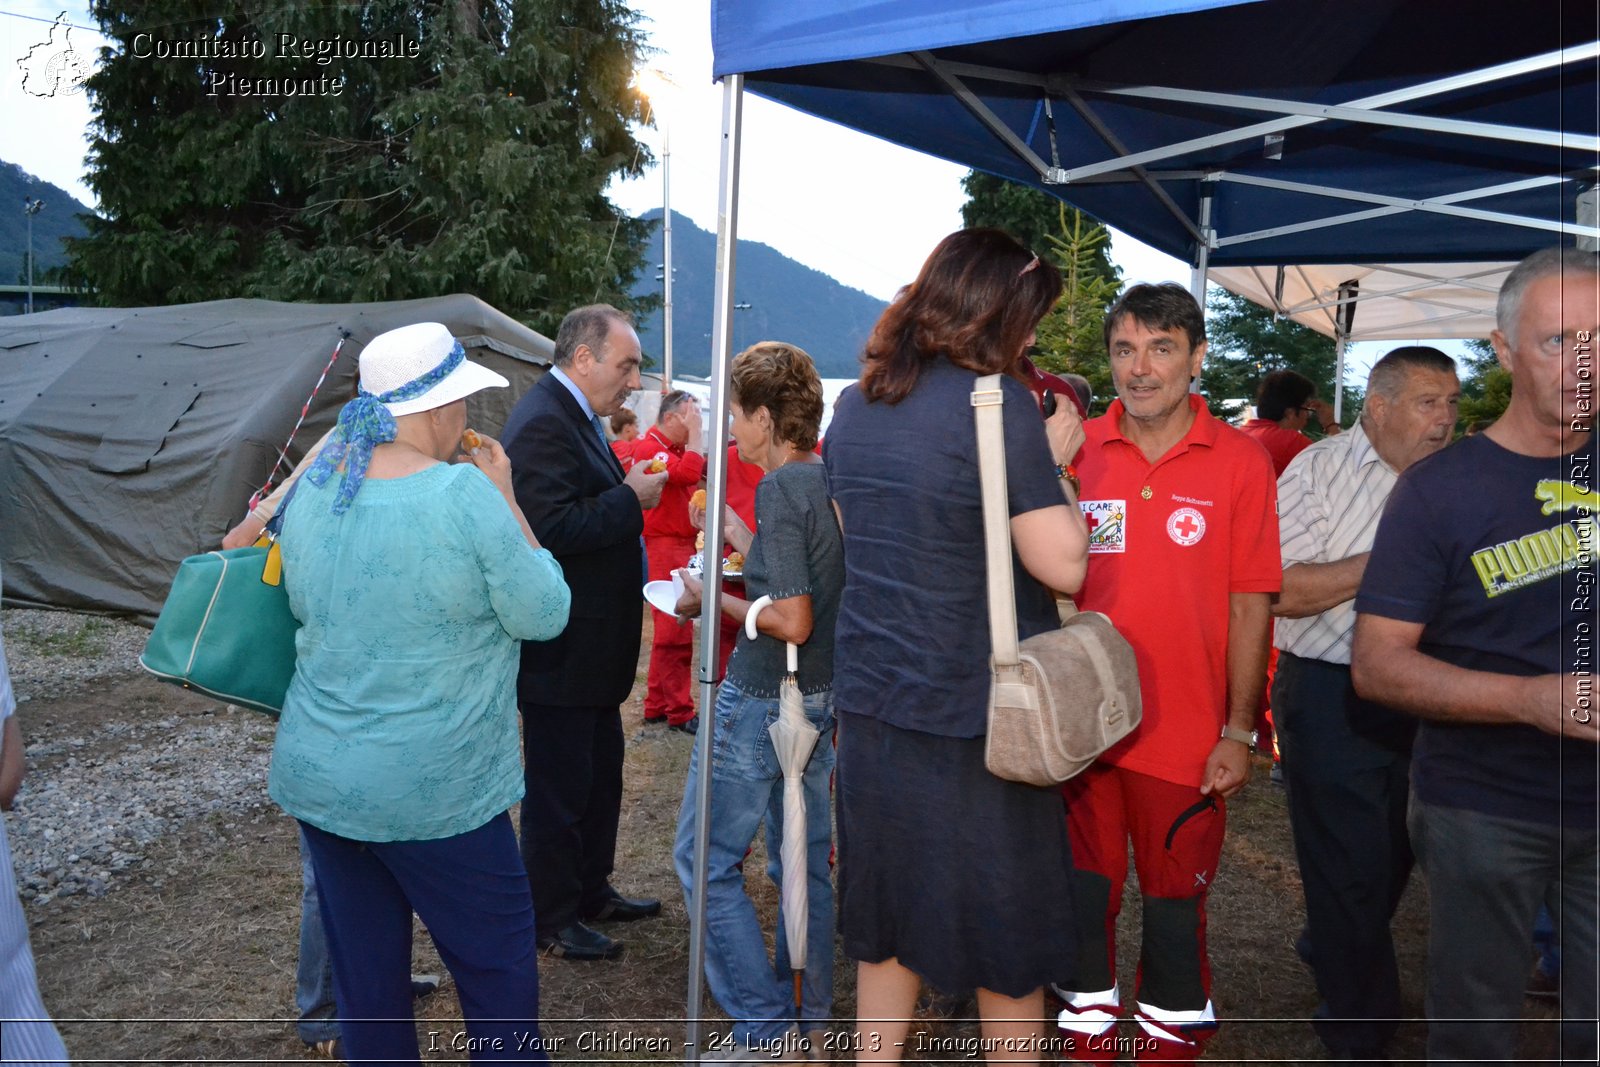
(788, 302)
(56, 220)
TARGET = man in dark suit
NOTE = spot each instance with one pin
(589, 514)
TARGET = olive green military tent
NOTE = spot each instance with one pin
(133, 437)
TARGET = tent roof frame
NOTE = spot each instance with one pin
(1131, 166)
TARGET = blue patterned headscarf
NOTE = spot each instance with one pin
(365, 423)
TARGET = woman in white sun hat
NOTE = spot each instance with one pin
(414, 579)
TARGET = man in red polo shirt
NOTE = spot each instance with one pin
(675, 442)
(1286, 400)
(1183, 542)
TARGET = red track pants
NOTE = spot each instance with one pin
(669, 695)
(1177, 841)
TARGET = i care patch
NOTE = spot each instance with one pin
(1108, 524)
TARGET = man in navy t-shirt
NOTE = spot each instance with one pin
(1477, 613)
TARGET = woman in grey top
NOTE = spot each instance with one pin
(796, 560)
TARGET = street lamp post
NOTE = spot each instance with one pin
(666, 255)
(655, 84)
(31, 207)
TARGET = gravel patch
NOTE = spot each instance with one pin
(53, 653)
(97, 795)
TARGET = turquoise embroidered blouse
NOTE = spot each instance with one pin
(401, 721)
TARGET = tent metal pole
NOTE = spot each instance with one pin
(1383, 212)
(716, 498)
(980, 111)
(1202, 255)
(666, 255)
(1500, 72)
(1482, 130)
(1338, 374)
(1344, 325)
(1113, 142)
(1443, 205)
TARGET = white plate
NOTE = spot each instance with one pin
(663, 595)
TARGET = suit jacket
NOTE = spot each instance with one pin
(569, 485)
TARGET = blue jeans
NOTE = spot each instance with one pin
(313, 974)
(471, 892)
(747, 787)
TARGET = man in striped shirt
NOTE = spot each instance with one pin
(1346, 760)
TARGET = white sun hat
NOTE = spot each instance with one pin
(399, 357)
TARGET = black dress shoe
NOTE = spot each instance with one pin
(576, 941)
(687, 726)
(617, 908)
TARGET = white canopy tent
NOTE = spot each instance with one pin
(1371, 302)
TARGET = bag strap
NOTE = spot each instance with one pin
(272, 567)
(275, 524)
(987, 400)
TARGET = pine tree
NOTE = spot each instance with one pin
(1485, 387)
(1070, 337)
(479, 165)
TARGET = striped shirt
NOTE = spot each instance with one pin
(1330, 498)
(34, 1041)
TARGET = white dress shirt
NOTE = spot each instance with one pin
(1329, 500)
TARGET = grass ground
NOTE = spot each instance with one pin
(193, 958)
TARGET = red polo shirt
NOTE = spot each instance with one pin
(742, 481)
(1168, 542)
(1282, 445)
(670, 518)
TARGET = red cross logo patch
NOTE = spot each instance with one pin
(1186, 526)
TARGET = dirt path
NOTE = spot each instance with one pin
(190, 956)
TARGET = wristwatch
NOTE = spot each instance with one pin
(1244, 737)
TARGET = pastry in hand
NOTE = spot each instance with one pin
(700, 541)
(698, 500)
(656, 466)
(471, 442)
(734, 562)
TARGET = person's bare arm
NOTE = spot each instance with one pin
(245, 534)
(734, 531)
(12, 765)
(789, 619)
(1312, 588)
(1249, 623)
(1388, 666)
(1053, 544)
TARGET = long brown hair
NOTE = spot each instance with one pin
(975, 301)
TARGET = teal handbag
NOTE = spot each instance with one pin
(226, 629)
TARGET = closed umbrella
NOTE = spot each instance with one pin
(794, 739)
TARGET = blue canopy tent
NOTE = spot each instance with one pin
(1222, 132)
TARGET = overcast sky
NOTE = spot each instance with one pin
(856, 208)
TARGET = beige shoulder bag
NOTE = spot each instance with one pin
(1062, 697)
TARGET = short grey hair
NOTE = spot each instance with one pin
(673, 401)
(589, 326)
(1388, 375)
(1561, 260)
